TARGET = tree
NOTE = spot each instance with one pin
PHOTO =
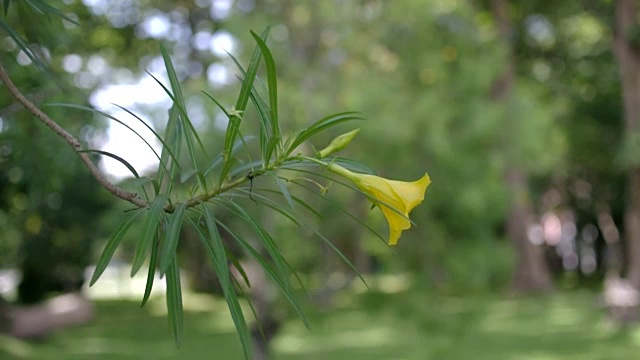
(531, 272)
(626, 51)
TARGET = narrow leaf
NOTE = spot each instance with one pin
(23, 45)
(267, 240)
(115, 157)
(271, 82)
(281, 283)
(151, 274)
(215, 250)
(319, 126)
(283, 189)
(151, 224)
(111, 117)
(172, 237)
(174, 301)
(241, 105)
(45, 8)
(112, 245)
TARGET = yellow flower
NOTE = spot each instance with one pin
(399, 195)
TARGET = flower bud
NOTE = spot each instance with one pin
(338, 144)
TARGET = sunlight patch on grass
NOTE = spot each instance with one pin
(300, 344)
(92, 346)
(635, 336)
(387, 283)
(564, 316)
(14, 347)
(539, 356)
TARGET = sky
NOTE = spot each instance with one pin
(142, 95)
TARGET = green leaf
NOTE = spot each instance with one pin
(151, 274)
(174, 301)
(179, 102)
(263, 200)
(110, 117)
(338, 252)
(151, 224)
(319, 126)
(281, 283)
(217, 160)
(44, 8)
(244, 168)
(217, 103)
(273, 143)
(272, 82)
(139, 182)
(263, 114)
(5, 5)
(112, 245)
(217, 255)
(115, 157)
(296, 199)
(23, 45)
(155, 134)
(241, 105)
(172, 237)
(283, 189)
(217, 247)
(173, 145)
(267, 240)
(236, 263)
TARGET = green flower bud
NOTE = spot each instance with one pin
(338, 144)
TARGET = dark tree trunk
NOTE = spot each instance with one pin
(5, 324)
(626, 53)
(531, 273)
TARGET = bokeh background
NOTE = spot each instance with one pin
(524, 114)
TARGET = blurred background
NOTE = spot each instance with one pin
(524, 114)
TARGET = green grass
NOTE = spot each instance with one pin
(371, 325)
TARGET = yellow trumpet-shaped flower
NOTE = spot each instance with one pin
(399, 195)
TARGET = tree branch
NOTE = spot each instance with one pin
(71, 140)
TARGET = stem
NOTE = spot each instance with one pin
(331, 166)
(222, 189)
(319, 162)
(75, 144)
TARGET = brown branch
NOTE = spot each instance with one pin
(71, 140)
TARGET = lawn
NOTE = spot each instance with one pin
(370, 325)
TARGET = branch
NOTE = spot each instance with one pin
(71, 140)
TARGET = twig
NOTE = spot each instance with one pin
(71, 140)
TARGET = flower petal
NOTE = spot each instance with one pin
(395, 198)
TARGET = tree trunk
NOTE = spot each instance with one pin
(628, 60)
(531, 273)
(5, 325)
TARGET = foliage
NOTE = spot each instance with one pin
(421, 72)
(220, 184)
